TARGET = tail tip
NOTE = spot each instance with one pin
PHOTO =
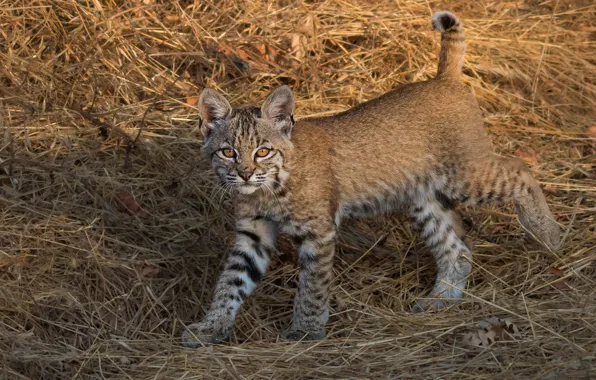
(444, 20)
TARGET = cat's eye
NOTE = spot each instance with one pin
(229, 153)
(263, 152)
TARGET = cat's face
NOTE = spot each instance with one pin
(247, 145)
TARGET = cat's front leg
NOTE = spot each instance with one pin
(246, 264)
(311, 305)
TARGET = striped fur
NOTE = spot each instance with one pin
(419, 149)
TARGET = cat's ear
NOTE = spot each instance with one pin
(278, 108)
(212, 107)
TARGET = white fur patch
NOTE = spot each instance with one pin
(246, 189)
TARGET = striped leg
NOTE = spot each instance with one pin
(440, 226)
(246, 264)
(311, 305)
(500, 180)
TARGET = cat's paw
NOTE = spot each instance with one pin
(204, 333)
(294, 334)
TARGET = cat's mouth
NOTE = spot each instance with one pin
(247, 188)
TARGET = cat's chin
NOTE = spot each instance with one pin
(246, 189)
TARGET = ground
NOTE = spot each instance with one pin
(113, 229)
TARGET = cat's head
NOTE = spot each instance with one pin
(247, 145)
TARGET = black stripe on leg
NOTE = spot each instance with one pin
(251, 235)
(440, 242)
(240, 267)
(427, 218)
(324, 283)
(237, 282)
(489, 196)
(319, 296)
(444, 200)
(306, 258)
(299, 239)
(262, 251)
(248, 266)
(242, 294)
(501, 192)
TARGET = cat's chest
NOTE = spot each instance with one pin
(284, 215)
(291, 216)
(294, 227)
(287, 221)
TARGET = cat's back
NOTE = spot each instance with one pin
(407, 130)
(438, 114)
(410, 107)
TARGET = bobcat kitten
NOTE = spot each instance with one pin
(420, 148)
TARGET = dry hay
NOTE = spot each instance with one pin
(113, 230)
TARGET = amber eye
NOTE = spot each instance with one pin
(263, 152)
(228, 153)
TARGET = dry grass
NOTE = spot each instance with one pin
(96, 103)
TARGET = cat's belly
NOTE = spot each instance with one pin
(366, 206)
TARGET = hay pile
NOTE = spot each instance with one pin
(113, 231)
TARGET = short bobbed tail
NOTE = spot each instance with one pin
(453, 45)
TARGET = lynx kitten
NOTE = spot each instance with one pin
(420, 148)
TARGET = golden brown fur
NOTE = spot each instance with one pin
(420, 149)
(421, 125)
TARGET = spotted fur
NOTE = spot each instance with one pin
(420, 149)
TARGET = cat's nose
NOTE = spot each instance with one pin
(246, 173)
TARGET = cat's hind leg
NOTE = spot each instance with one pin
(499, 180)
(440, 226)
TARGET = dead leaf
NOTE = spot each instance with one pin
(528, 155)
(242, 55)
(512, 327)
(270, 53)
(298, 46)
(262, 48)
(556, 271)
(126, 202)
(591, 132)
(192, 100)
(491, 331)
(479, 338)
(559, 284)
(350, 258)
(150, 271)
(307, 25)
(340, 303)
(551, 189)
(238, 56)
